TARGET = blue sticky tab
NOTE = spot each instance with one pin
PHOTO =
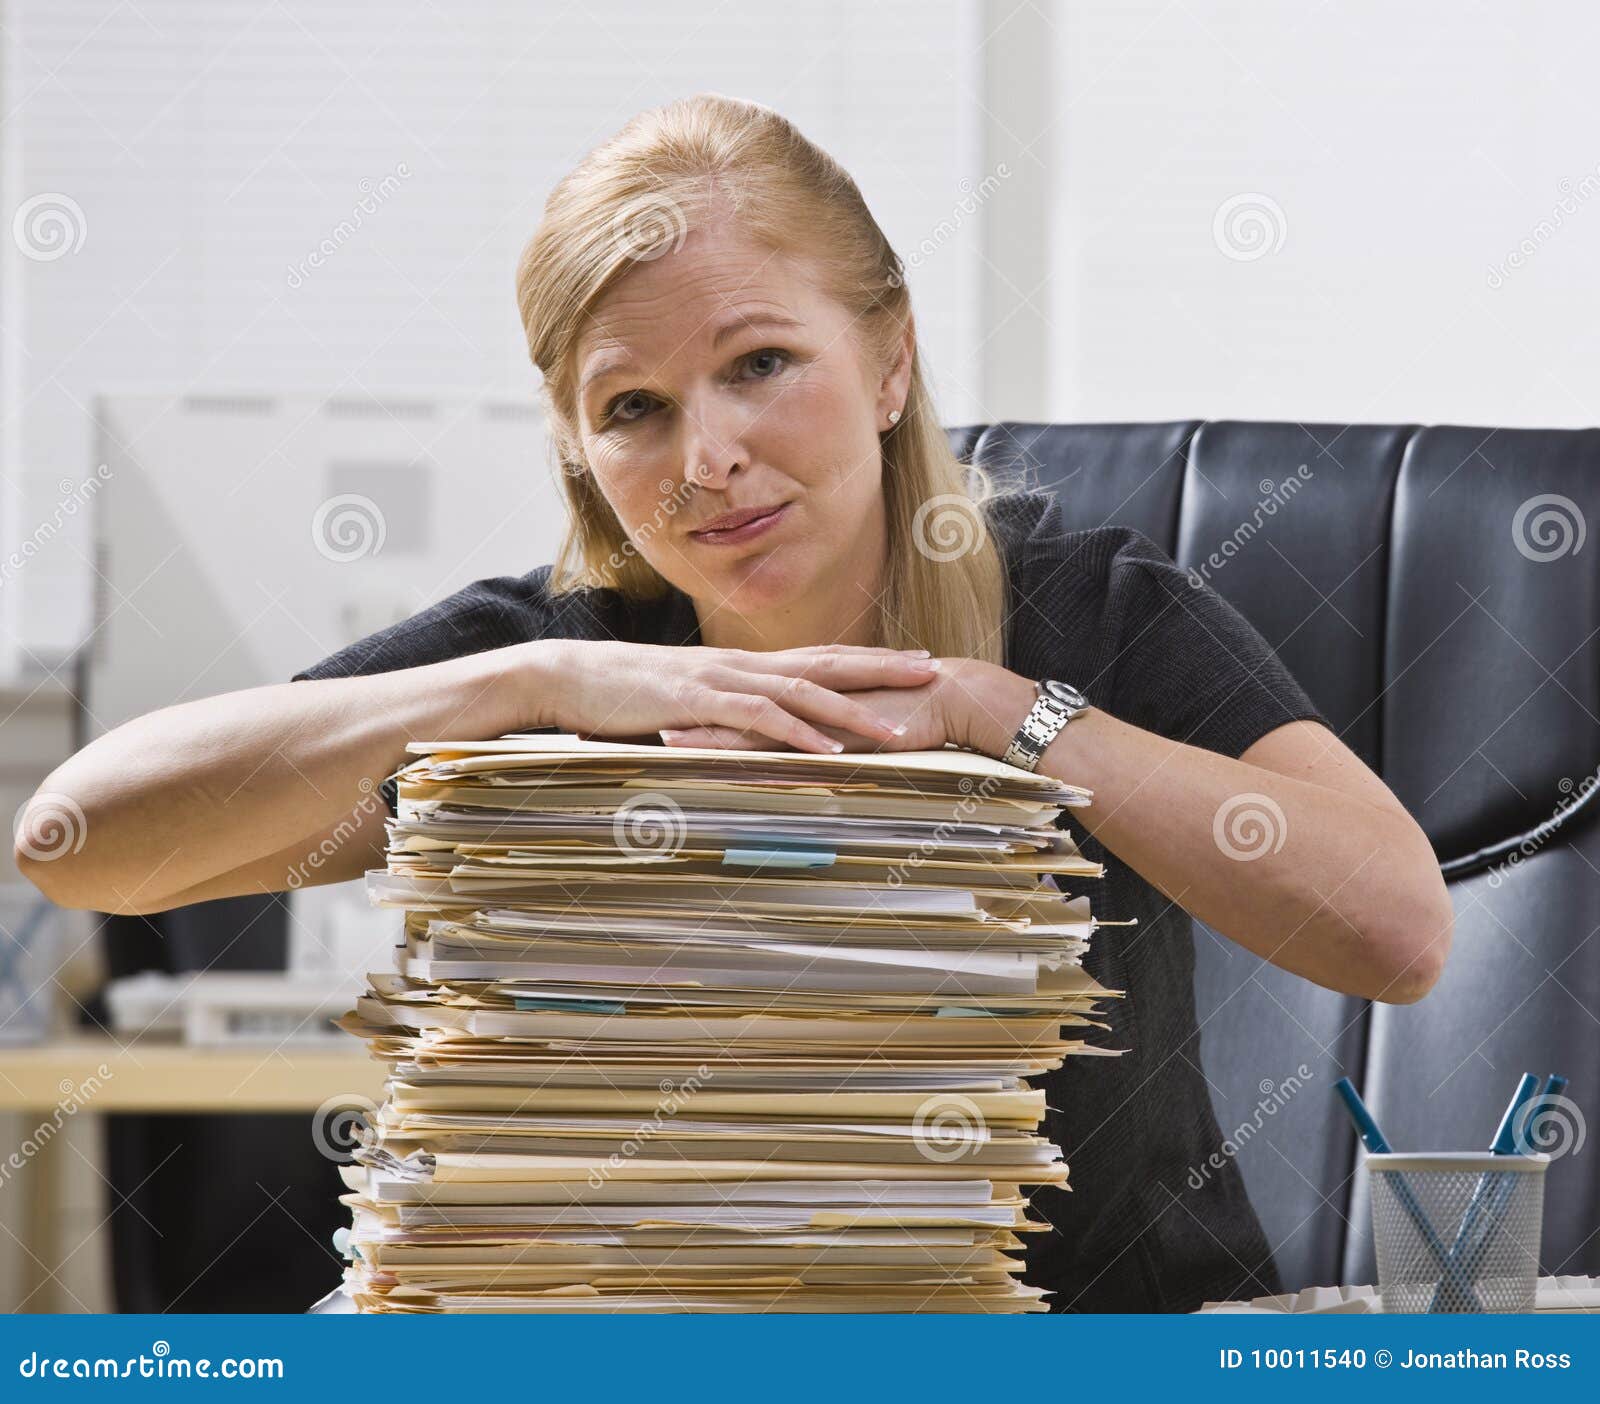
(778, 858)
(570, 1006)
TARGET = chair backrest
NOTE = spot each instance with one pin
(1432, 589)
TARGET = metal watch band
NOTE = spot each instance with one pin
(1055, 704)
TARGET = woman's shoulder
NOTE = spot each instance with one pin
(494, 612)
(1038, 544)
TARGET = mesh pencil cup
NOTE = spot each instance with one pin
(1457, 1231)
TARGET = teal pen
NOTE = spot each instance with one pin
(1374, 1140)
(1501, 1192)
(1504, 1143)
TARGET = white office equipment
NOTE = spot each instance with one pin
(242, 537)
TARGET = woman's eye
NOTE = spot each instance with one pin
(617, 411)
(766, 363)
(767, 354)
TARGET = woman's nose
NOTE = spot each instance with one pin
(713, 441)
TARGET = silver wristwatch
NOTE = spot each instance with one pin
(1055, 704)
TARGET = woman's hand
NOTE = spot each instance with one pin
(812, 699)
(966, 703)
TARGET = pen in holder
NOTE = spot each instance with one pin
(1491, 1263)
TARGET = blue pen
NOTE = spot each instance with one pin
(1504, 1143)
(1521, 1144)
(1375, 1141)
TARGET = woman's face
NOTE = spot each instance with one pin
(716, 380)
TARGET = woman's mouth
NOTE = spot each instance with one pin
(741, 526)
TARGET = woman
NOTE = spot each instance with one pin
(769, 535)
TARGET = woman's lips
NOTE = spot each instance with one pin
(745, 532)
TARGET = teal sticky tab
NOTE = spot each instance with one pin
(570, 1006)
(778, 858)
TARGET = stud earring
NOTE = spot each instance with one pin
(894, 417)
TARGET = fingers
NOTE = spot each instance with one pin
(718, 737)
(851, 672)
(750, 711)
(819, 704)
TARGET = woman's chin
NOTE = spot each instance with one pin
(763, 585)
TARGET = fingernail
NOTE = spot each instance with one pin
(836, 745)
(671, 735)
(931, 663)
(918, 652)
(900, 730)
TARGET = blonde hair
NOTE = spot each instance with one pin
(636, 197)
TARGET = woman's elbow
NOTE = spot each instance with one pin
(51, 849)
(1415, 945)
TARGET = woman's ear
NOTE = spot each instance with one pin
(896, 384)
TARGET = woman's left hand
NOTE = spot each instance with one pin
(968, 703)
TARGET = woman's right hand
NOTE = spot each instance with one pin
(612, 689)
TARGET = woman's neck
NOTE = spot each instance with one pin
(841, 622)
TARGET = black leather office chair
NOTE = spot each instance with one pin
(1432, 590)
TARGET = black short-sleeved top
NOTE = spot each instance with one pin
(1108, 611)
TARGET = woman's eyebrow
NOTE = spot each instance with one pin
(752, 321)
(617, 361)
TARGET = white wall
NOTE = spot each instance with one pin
(211, 147)
(1410, 148)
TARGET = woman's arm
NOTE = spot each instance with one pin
(1296, 850)
(275, 787)
(234, 793)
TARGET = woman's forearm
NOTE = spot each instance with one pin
(1313, 879)
(170, 800)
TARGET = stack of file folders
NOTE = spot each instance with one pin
(681, 1029)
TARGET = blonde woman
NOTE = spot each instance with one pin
(772, 545)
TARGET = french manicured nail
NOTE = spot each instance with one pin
(670, 736)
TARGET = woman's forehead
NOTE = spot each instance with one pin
(693, 300)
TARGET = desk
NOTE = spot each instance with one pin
(61, 1079)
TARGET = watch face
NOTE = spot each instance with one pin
(1063, 692)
